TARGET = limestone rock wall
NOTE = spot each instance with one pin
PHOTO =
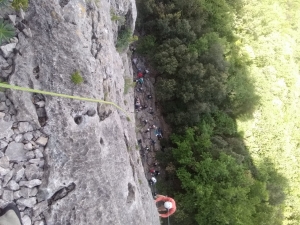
(92, 172)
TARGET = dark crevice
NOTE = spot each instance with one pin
(131, 193)
(78, 119)
(63, 192)
(63, 3)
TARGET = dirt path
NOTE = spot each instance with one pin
(149, 120)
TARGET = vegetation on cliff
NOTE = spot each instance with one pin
(228, 80)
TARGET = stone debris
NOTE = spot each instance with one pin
(8, 195)
(42, 141)
(25, 127)
(4, 162)
(27, 202)
(8, 177)
(31, 183)
(19, 174)
(13, 185)
(26, 220)
(15, 152)
(7, 49)
(28, 146)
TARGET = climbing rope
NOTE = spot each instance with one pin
(8, 86)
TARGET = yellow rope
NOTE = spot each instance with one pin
(8, 86)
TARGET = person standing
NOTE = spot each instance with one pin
(169, 206)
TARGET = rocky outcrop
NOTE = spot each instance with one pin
(73, 162)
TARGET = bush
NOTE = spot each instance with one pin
(7, 31)
(76, 78)
(19, 4)
(124, 39)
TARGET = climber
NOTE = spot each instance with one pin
(152, 181)
(140, 75)
(154, 172)
(10, 215)
(169, 206)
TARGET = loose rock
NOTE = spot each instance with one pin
(15, 152)
(27, 202)
(19, 138)
(12, 18)
(25, 127)
(19, 174)
(8, 195)
(4, 162)
(33, 172)
(17, 195)
(42, 141)
(7, 49)
(38, 153)
(27, 32)
(40, 104)
(28, 136)
(3, 144)
(3, 171)
(31, 183)
(13, 185)
(8, 177)
(30, 155)
(26, 220)
(28, 146)
(25, 192)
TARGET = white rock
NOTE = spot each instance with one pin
(3, 171)
(33, 192)
(4, 162)
(40, 104)
(22, 14)
(28, 146)
(31, 183)
(14, 40)
(40, 222)
(27, 32)
(12, 18)
(13, 185)
(38, 153)
(25, 127)
(27, 202)
(17, 195)
(19, 138)
(8, 195)
(5, 127)
(3, 144)
(15, 152)
(30, 155)
(8, 177)
(28, 136)
(19, 174)
(7, 49)
(26, 220)
(42, 141)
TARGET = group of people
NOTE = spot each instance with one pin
(166, 206)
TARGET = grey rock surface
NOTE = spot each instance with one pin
(7, 49)
(90, 162)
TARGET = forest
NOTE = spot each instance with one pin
(227, 79)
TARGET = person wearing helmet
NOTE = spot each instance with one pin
(169, 206)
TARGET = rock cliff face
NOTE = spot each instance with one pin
(92, 172)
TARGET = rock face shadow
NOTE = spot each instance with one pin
(131, 193)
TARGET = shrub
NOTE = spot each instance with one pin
(76, 78)
(124, 39)
(7, 31)
(19, 4)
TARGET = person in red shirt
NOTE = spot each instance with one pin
(169, 206)
(140, 75)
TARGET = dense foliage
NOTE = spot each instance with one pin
(227, 75)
